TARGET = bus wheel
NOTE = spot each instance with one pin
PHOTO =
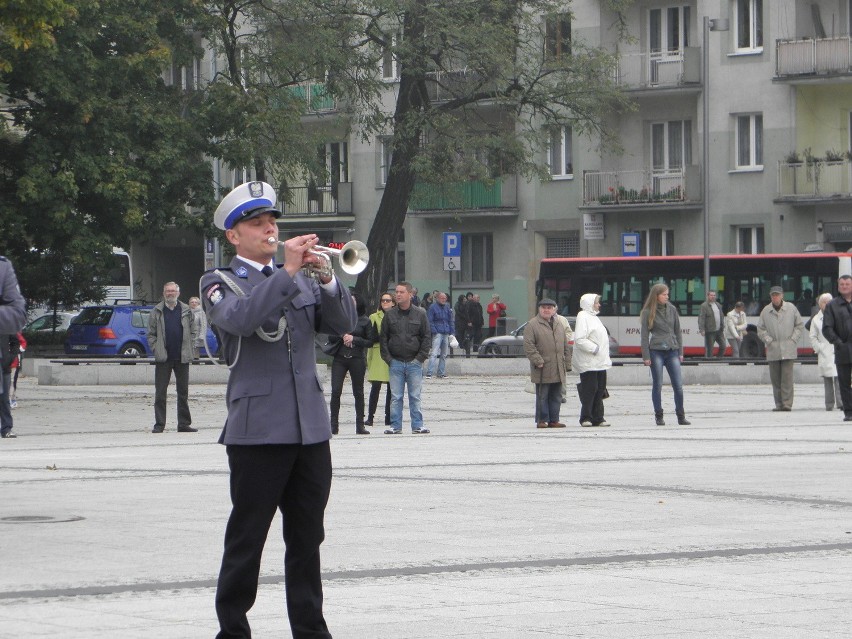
(751, 347)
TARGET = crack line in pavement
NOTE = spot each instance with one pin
(431, 569)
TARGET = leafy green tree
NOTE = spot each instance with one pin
(101, 148)
(452, 59)
(29, 23)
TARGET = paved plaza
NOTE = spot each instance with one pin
(739, 525)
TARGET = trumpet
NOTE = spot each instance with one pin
(354, 256)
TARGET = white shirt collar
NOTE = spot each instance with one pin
(256, 265)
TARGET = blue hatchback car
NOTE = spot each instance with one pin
(115, 331)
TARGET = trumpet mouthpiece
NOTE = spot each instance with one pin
(271, 240)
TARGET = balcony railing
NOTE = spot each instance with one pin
(634, 187)
(821, 179)
(317, 200)
(821, 56)
(315, 97)
(464, 196)
(659, 68)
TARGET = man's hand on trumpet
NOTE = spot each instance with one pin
(298, 255)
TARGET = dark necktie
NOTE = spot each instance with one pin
(266, 270)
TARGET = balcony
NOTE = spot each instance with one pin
(659, 69)
(814, 182)
(314, 96)
(641, 189)
(821, 57)
(496, 197)
(320, 201)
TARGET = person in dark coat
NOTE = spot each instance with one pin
(837, 329)
(277, 429)
(350, 357)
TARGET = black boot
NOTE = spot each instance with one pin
(682, 420)
(659, 418)
(369, 421)
(334, 429)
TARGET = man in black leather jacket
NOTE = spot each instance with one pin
(837, 329)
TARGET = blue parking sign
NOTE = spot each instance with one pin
(452, 244)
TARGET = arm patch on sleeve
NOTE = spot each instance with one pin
(215, 294)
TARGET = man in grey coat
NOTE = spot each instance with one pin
(171, 334)
(711, 324)
(277, 430)
(779, 327)
(13, 315)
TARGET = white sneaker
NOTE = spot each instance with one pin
(13, 403)
(604, 423)
(585, 422)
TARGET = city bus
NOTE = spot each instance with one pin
(623, 284)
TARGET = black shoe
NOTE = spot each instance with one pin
(683, 421)
(187, 429)
(362, 431)
(8, 435)
(334, 430)
(659, 418)
(848, 418)
(157, 429)
(368, 422)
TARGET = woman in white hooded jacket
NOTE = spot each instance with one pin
(591, 360)
(825, 356)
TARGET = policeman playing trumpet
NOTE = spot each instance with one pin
(277, 430)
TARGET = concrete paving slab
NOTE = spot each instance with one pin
(736, 526)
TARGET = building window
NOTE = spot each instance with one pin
(557, 37)
(668, 29)
(336, 158)
(477, 260)
(749, 27)
(671, 145)
(568, 246)
(385, 154)
(560, 153)
(656, 242)
(749, 141)
(390, 64)
(750, 239)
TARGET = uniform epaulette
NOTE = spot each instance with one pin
(218, 268)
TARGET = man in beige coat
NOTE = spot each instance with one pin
(779, 327)
(546, 347)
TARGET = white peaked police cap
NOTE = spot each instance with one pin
(245, 202)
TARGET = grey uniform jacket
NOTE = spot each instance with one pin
(271, 399)
(13, 308)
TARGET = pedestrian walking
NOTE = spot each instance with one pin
(546, 346)
(662, 348)
(591, 360)
(780, 327)
(405, 339)
(837, 329)
(825, 356)
(442, 325)
(277, 430)
(378, 373)
(171, 335)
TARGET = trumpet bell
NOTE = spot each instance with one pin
(354, 257)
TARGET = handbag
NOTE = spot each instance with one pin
(454, 343)
(330, 347)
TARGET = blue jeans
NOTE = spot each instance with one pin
(402, 374)
(671, 361)
(440, 346)
(548, 402)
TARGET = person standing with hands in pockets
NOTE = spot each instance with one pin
(277, 430)
(546, 346)
(591, 360)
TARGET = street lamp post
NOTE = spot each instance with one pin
(710, 24)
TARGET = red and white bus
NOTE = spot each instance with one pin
(623, 284)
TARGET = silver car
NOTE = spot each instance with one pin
(512, 345)
(50, 322)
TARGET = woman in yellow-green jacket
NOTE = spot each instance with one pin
(377, 368)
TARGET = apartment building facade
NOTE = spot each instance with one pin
(779, 89)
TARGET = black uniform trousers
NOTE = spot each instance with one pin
(295, 479)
